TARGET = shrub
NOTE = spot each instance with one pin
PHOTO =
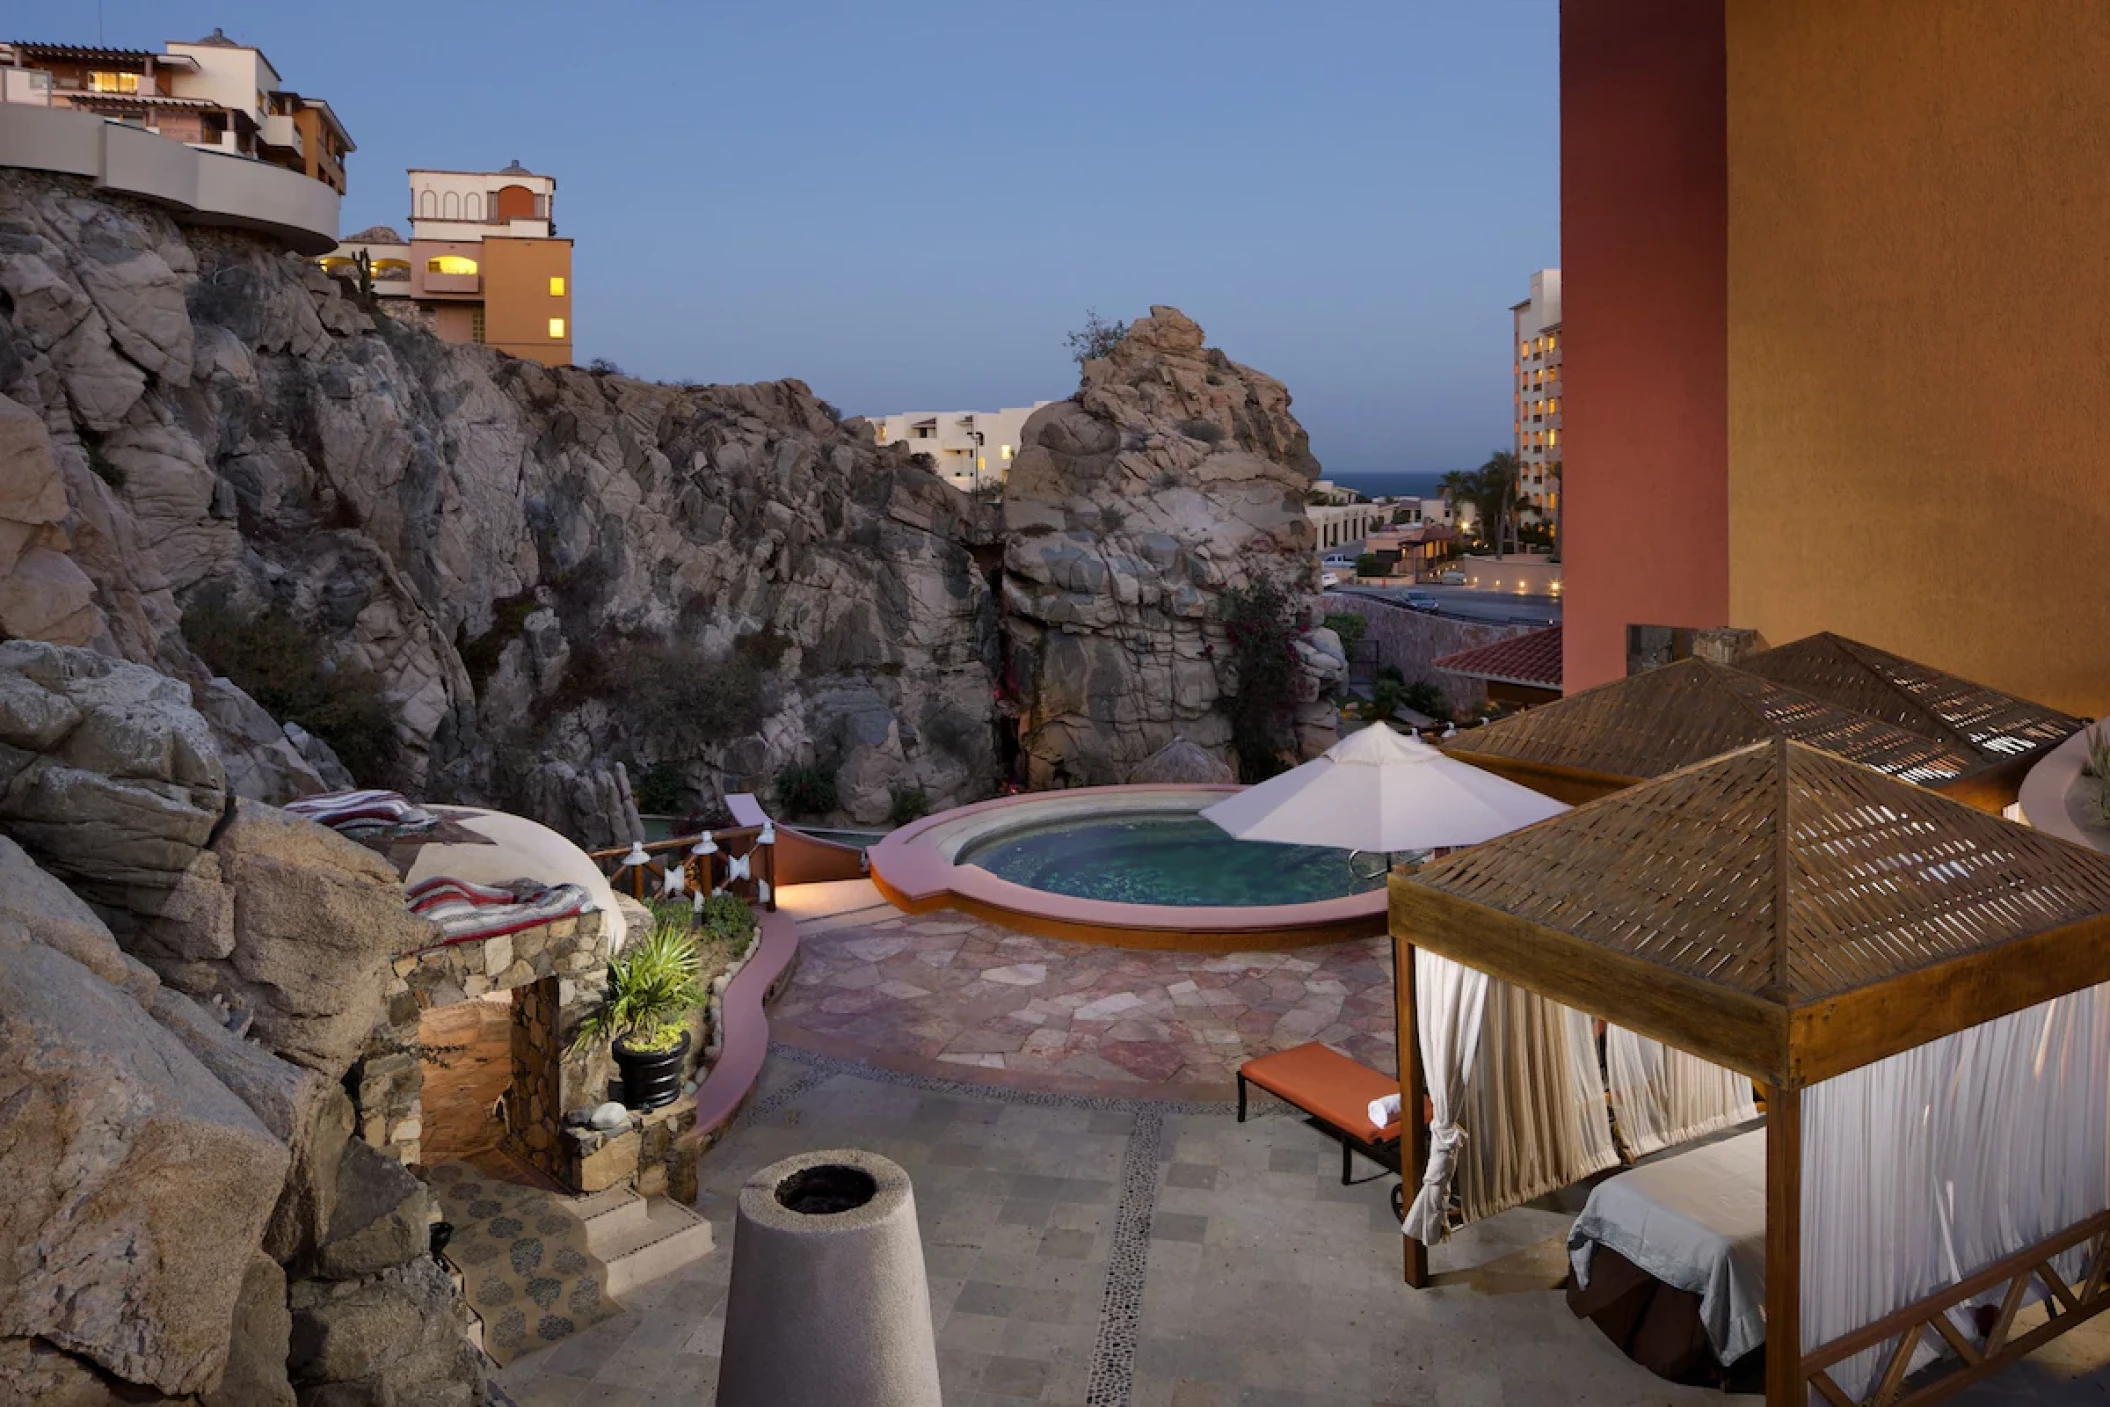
(679, 696)
(828, 409)
(1427, 697)
(1097, 338)
(1369, 564)
(1349, 626)
(1207, 431)
(99, 465)
(601, 366)
(1259, 623)
(911, 803)
(1391, 672)
(806, 791)
(282, 665)
(1386, 695)
(727, 919)
(659, 789)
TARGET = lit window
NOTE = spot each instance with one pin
(450, 264)
(556, 286)
(113, 82)
(1553, 437)
(556, 327)
(981, 461)
(1005, 450)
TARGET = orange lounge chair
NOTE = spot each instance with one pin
(1337, 1092)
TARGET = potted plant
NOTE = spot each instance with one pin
(652, 988)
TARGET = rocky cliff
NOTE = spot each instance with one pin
(539, 572)
(1174, 475)
(487, 581)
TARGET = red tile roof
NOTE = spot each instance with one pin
(1532, 660)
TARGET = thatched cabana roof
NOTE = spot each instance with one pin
(1776, 910)
(1583, 746)
(1914, 696)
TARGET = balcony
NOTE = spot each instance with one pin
(279, 131)
(471, 284)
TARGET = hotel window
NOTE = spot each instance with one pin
(556, 328)
(556, 285)
(113, 82)
(476, 326)
(450, 264)
(1005, 451)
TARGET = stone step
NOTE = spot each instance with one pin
(641, 1249)
(609, 1214)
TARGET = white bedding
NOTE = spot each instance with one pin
(1696, 1221)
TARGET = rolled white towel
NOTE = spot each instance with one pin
(1384, 1111)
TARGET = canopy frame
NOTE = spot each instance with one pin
(1782, 1038)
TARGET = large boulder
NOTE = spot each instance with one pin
(108, 777)
(264, 762)
(1173, 476)
(382, 1216)
(138, 1185)
(397, 1337)
(292, 923)
(54, 915)
(257, 1348)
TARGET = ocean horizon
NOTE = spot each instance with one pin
(1387, 483)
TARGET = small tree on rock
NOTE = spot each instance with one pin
(1097, 338)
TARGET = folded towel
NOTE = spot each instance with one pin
(1384, 1111)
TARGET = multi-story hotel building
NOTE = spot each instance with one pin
(970, 448)
(1536, 330)
(212, 93)
(483, 263)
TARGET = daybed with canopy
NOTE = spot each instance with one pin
(1918, 987)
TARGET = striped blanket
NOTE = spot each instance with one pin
(466, 911)
(364, 812)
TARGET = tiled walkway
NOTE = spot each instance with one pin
(937, 992)
(1262, 1282)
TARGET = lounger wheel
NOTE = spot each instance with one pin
(1399, 1200)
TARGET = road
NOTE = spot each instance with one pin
(1467, 603)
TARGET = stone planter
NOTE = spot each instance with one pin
(651, 1078)
(829, 1304)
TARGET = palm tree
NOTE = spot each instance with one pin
(1498, 478)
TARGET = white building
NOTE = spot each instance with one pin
(1536, 327)
(1337, 525)
(969, 448)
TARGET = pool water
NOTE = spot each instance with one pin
(1164, 858)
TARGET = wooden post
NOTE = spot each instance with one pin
(1784, 1382)
(1413, 1090)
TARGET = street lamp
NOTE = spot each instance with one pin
(976, 436)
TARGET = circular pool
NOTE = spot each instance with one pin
(1132, 866)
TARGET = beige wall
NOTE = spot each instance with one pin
(1919, 204)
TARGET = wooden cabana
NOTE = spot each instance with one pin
(2008, 733)
(1596, 742)
(1792, 917)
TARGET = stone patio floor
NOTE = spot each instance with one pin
(933, 993)
(1134, 1251)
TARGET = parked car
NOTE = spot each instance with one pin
(1329, 580)
(1422, 601)
(1452, 578)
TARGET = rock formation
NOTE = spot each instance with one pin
(185, 976)
(1173, 475)
(540, 572)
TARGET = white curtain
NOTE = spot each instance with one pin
(1448, 1000)
(1927, 1166)
(1534, 1114)
(1662, 1096)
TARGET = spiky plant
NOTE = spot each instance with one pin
(651, 990)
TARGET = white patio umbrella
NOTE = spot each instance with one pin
(1377, 791)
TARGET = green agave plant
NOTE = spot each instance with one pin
(652, 988)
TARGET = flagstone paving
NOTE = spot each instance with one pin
(943, 991)
(1140, 1253)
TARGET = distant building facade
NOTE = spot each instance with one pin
(1338, 524)
(483, 262)
(968, 448)
(211, 93)
(1536, 330)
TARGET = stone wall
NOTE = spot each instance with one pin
(564, 968)
(1412, 639)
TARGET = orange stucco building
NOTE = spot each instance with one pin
(1833, 280)
(483, 263)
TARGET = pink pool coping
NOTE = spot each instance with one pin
(922, 876)
(744, 1025)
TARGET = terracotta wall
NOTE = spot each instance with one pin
(1917, 292)
(517, 302)
(1644, 220)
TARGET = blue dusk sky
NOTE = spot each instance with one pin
(907, 204)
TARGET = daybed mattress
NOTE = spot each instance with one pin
(1695, 1221)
